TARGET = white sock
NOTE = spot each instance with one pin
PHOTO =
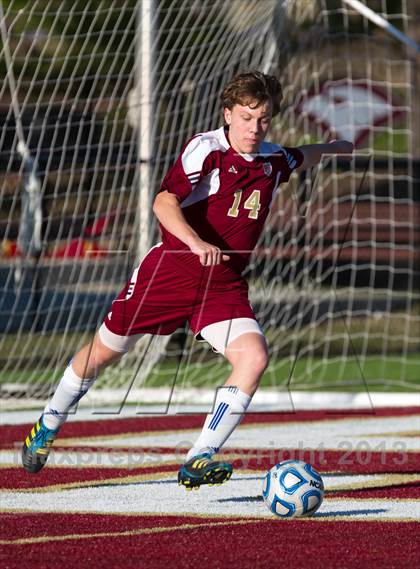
(70, 389)
(229, 408)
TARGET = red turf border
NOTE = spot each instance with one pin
(16, 478)
(210, 543)
(12, 433)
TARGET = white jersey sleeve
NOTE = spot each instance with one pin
(194, 162)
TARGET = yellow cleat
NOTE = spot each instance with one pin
(37, 446)
(203, 469)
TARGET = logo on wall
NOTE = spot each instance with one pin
(348, 109)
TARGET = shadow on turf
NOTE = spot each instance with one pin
(364, 512)
(242, 499)
(340, 514)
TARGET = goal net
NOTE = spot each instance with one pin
(98, 100)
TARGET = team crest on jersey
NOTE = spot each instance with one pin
(233, 169)
(268, 168)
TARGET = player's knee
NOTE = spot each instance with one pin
(252, 362)
(93, 358)
(258, 361)
(102, 356)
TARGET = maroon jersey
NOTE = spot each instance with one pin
(225, 197)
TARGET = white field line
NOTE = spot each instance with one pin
(241, 496)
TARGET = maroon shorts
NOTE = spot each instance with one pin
(162, 295)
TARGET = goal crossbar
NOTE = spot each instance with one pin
(382, 23)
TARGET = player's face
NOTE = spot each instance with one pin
(248, 126)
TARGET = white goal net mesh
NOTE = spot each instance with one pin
(334, 280)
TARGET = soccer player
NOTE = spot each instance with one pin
(212, 207)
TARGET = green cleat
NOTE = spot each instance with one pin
(37, 446)
(202, 469)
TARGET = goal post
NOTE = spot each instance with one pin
(143, 94)
(108, 93)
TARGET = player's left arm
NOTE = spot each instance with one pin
(312, 153)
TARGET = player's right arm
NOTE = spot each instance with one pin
(194, 162)
(169, 213)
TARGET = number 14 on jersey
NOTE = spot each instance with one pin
(252, 204)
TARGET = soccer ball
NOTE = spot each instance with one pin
(293, 489)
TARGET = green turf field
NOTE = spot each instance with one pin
(374, 373)
(313, 373)
(38, 360)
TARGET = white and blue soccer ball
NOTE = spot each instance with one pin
(293, 489)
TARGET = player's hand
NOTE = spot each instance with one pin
(209, 254)
(342, 147)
